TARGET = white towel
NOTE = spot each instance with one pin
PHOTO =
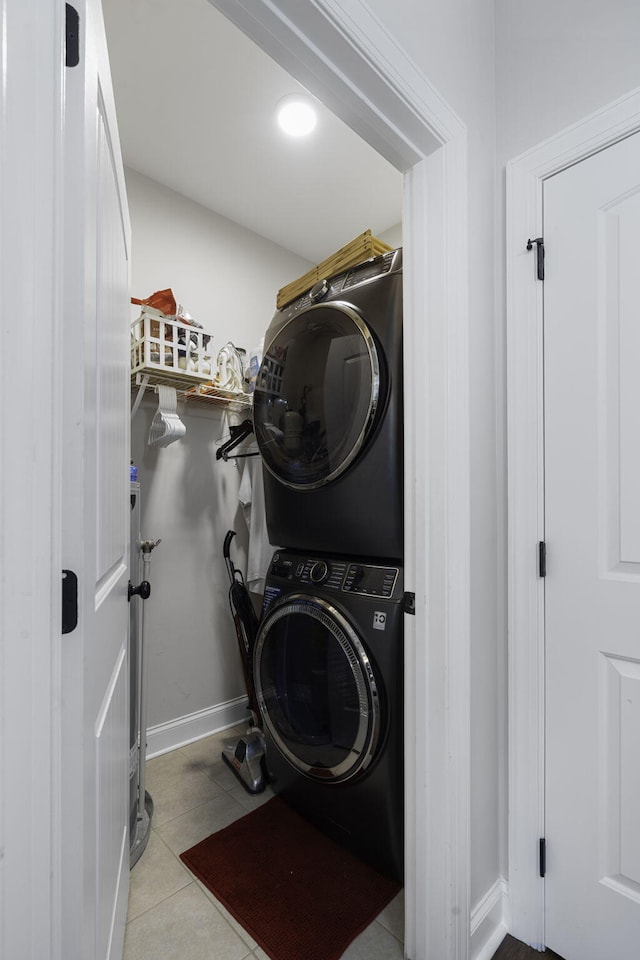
(251, 496)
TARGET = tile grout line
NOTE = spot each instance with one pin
(196, 807)
(160, 902)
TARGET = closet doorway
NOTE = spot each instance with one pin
(410, 125)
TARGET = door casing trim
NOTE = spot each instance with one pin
(525, 176)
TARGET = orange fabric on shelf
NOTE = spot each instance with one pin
(162, 300)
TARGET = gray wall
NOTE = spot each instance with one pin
(227, 278)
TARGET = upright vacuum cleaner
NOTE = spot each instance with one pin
(246, 756)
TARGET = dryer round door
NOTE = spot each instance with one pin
(316, 689)
(316, 396)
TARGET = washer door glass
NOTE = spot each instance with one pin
(316, 689)
(316, 395)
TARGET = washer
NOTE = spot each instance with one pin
(328, 671)
(327, 415)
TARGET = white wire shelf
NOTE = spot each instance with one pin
(207, 393)
(202, 393)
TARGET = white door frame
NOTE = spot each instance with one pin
(524, 305)
(342, 53)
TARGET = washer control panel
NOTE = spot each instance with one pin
(362, 579)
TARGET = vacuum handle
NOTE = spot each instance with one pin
(226, 550)
(226, 553)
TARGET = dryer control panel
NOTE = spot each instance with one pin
(363, 579)
(326, 289)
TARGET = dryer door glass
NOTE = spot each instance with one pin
(316, 395)
(316, 690)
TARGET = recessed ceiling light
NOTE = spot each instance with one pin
(296, 115)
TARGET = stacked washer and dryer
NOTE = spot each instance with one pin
(328, 660)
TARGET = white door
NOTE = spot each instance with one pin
(592, 531)
(95, 525)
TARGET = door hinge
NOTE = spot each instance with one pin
(542, 852)
(542, 559)
(69, 601)
(539, 242)
(72, 37)
(409, 603)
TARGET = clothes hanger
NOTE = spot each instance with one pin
(238, 434)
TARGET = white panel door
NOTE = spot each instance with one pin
(592, 530)
(95, 509)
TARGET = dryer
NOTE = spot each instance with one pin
(327, 414)
(328, 671)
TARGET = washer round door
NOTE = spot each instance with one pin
(316, 689)
(316, 395)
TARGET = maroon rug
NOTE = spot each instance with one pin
(299, 895)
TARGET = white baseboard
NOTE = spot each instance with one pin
(489, 921)
(177, 733)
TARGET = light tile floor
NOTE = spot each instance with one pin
(171, 914)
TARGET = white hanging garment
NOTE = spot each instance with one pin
(166, 425)
(251, 496)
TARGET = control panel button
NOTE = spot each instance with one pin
(370, 581)
(280, 567)
(319, 291)
(319, 571)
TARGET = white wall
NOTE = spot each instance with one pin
(227, 278)
(392, 236)
(453, 44)
(559, 62)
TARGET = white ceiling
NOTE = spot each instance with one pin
(196, 111)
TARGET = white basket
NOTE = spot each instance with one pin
(168, 351)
